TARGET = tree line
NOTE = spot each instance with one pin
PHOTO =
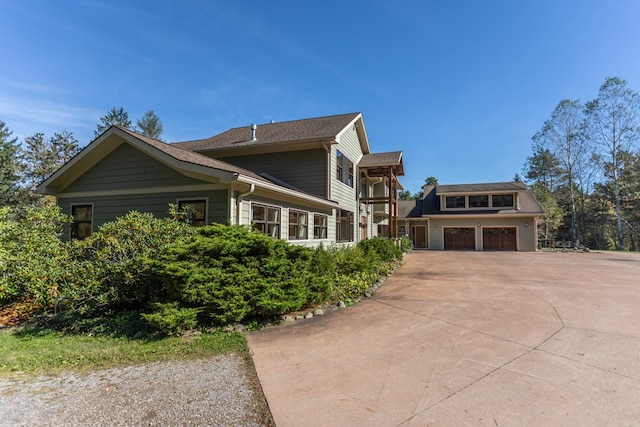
(584, 170)
(24, 165)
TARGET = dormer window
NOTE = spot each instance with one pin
(455, 202)
(502, 200)
(480, 201)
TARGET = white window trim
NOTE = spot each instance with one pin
(194, 199)
(443, 201)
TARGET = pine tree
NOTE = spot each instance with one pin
(117, 117)
(150, 125)
(9, 167)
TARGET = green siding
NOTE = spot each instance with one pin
(127, 168)
(305, 170)
(106, 209)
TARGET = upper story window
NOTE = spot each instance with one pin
(344, 169)
(502, 200)
(480, 201)
(266, 219)
(195, 211)
(455, 202)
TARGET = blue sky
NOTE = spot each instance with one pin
(459, 86)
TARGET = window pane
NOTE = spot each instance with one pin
(455, 202)
(258, 213)
(479, 201)
(502, 200)
(274, 215)
(82, 213)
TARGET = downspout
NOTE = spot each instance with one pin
(327, 149)
(239, 199)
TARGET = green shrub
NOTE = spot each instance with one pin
(406, 244)
(235, 274)
(112, 259)
(381, 249)
(35, 265)
(171, 319)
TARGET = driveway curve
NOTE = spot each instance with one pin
(467, 338)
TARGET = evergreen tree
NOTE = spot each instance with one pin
(38, 160)
(115, 117)
(150, 125)
(9, 167)
(64, 146)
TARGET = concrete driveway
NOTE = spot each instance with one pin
(468, 338)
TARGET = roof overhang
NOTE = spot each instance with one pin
(106, 143)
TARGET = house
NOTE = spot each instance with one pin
(482, 217)
(312, 181)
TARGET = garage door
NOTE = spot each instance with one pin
(460, 239)
(499, 239)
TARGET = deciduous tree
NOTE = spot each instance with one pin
(614, 129)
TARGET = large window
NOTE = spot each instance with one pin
(455, 202)
(344, 226)
(82, 221)
(502, 200)
(320, 226)
(298, 225)
(266, 219)
(195, 211)
(479, 201)
(344, 169)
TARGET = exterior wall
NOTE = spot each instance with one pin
(305, 170)
(526, 230)
(127, 168)
(349, 145)
(284, 220)
(108, 208)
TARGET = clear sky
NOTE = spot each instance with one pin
(460, 86)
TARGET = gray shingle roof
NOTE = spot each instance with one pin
(430, 204)
(292, 131)
(191, 157)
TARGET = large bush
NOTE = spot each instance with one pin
(111, 260)
(35, 265)
(232, 273)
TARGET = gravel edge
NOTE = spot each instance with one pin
(219, 391)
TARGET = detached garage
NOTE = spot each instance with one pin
(499, 216)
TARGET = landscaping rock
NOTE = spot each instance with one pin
(318, 312)
(309, 315)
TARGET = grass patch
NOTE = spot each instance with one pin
(43, 352)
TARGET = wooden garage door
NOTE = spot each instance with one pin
(499, 239)
(460, 239)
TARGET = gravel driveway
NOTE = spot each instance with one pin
(218, 391)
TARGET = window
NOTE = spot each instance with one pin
(344, 226)
(298, 226)
(320, 226)
(82, 221)
(502, 200)
(344, 169)
(266, 219)
(195, 211)
(455, 202)
(479, 201)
